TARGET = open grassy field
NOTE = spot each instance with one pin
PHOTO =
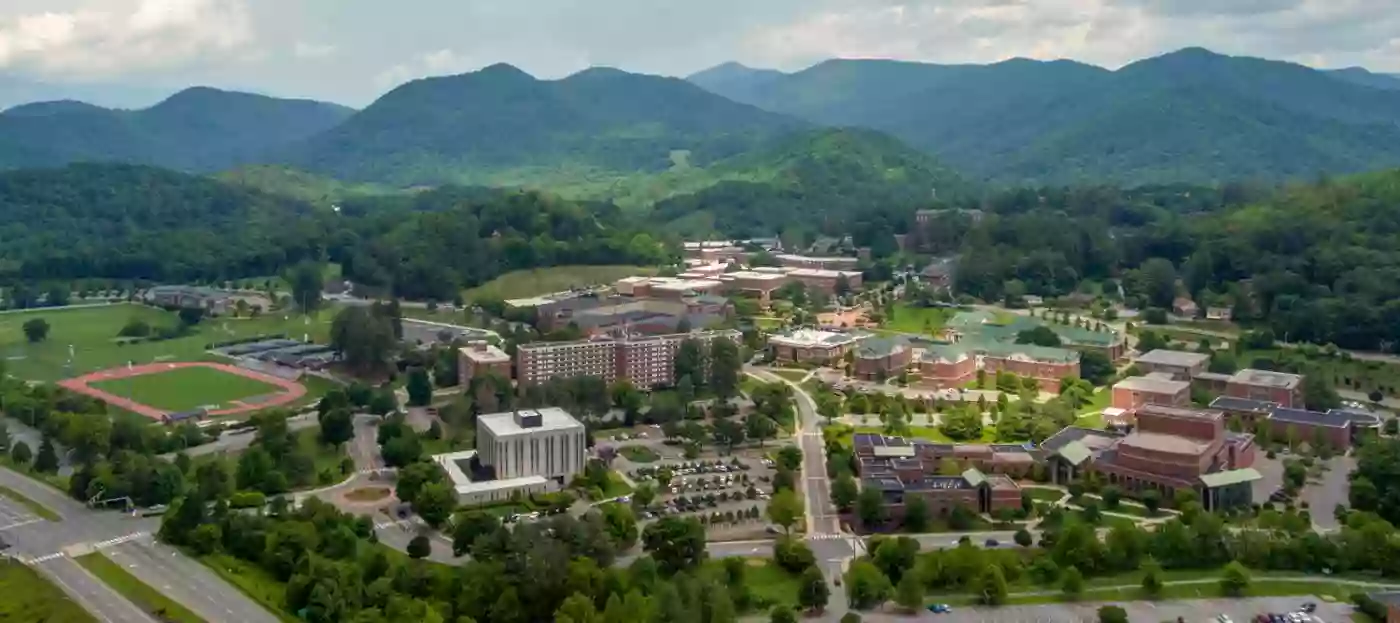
(989, 434)
(921, 320)
(139, 593)
(27, 596)
(91, 332)
(183, 389)
(527, 283)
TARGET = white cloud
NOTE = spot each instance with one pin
(434, 63)
(120, 36)
(308, 50)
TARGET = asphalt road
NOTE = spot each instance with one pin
(236, 442)
(48, 546)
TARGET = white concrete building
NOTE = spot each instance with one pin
(519, 452)
(534, 442)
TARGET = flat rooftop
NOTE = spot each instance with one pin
(1330, 419)
(509, 423)
(815, 337)
(832, 259)
(1232, 403)
(1091, 438)
(1182, 412)
(1266, 378)
(457, 465)
(1177, 358)
(752, 274)
(1153, 384)
(1159, 442)
(823, 273)
(484, 353)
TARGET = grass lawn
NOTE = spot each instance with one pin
(253, 581)
(769, 584)
(27, 596)
(639, 454)
(183, 389)
(326, 459)
(92, 332)
(139, 593)
(1046, 495)
(34, 507)
(920, 320)
(748, 384)
(527, 283)
(989, 434)
(790, 374)
(768, 323)
(616, 487)
(1258, 588)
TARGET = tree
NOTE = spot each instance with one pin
(469, 527)
(844, 491)
(725, 367)
(870, 507)
(792, 554)
(850, 617)
(306, 286)
(812, 590)
(435, 503)
(36, 330)
(1112, 614)
(1039, 336)
(785, 509)
(866, 587)
(760, 427)
(337, 427)
(4, 433)
(1072, 582)
(364, 337)
(1319, 394)
(916, 514)
(781, 614)
(621, 525)
(790, 458)
(690, 361)
(1234, 580)
(419, 547)
(1112, 496)
(420, 387)
(675, 543)
(1023, 538)
(909, 593)
(1151, 500)
(20, 454)
(1151, 578)
(992, 586)
(47, 460)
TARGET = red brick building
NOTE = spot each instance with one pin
(1157, 388)
(880, 358)
(645, 361)
(1281, 388)
(478, 358)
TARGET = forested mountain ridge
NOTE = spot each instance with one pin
(137, 223)
(819, 182)
(500, 124)
(1191, 115)
(198, 129)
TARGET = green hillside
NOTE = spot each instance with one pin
(501, 126)
(198, 129)
(818, 181)
(1192, 116)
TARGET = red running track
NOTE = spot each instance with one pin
(291, 390)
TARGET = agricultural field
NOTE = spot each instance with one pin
(184, 389)
(527, 283)
(91, 334)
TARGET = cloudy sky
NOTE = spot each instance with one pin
(350, 51)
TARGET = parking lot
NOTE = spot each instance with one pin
(722, 492)
(1323, 491)
(1193, 611)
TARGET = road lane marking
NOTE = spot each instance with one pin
(18, 524)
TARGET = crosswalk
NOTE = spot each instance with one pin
(825, 537)
(42, 559)
(121, 539)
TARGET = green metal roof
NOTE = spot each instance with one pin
(878, 347)
(974, 477)
(1075, 452)
(1232, 477)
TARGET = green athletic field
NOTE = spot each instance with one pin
(92, 332)
(183, 389)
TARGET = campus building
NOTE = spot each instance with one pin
(478, 358)
(902, 470)
(1339, 427)
(827, 263)
(983, 327)
(947, 366)
(813, 346)
(1157, 388)
(1171, 449)
(645, 361)
(648, 316)
(714, 251)
(672, 288)
(880, 358)
(1179, 365)
(519, 452)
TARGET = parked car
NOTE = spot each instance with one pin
(940, 608)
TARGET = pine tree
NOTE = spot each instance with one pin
(47, 460)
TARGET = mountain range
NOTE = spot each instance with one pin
(1192, 115)
(198, 129)
(1189, 116)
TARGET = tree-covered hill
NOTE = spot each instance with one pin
(1191, 115)
(135, 223)
(501, 124)
(822, 181)
(198, 129)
